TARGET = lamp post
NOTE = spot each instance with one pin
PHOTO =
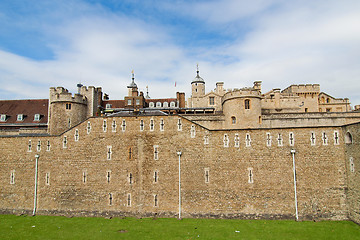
(179, 154)
(36, 180)
(294, 171)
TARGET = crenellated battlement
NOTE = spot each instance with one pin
(302, 88)
(241, 93)
(60, 94)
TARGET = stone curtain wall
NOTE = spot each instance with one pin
(353, 172)
(229, 173)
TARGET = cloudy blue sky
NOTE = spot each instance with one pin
(48, 43)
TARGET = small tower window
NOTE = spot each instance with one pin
(110, 199)
(76, 135)
(352, 166)
(324, 138)
(248, 140)
(268, 139)
(84, 177)
(113, 126)
(68, 106)
(233, 120)
(109, 152)
(348, 138)
(12, 177)
(291, 139)
(155, 200)
(88, 128)
(29, 146)
(48, 146)
(192, 131)
(336, 138)
(237, 140)
(104, 126)
(123, 125)
(313, 139)
(280, 140)
(156, 152)
(129, 200)
(250, 175)
(247, 103)
(130, 178)
(206, 175)
(108, 174)
(38, 148)
(130, 153)
(206, 139)
(156, 176)
(65, 142)
(69, 123)
(141, 125)
(151, 124)
(179, 125)
(162, 124)
(226, 140)
(47, 178)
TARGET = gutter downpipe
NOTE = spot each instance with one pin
(36, 182)
(294, 170)
(179, 154)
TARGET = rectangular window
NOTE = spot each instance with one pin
(336, 138)
(130, 153)
(129, 200)
(3, 118)
(123, 125)
(108, 173)
(192, 131)
(37, 117)
(84, 177)
(48, 146)
(29, 146)
(76, 135)
(138, 102)
(179, 125)
(156, 176)
(129, 102)
(313, 139)
(206, 175)
(211, 100)
(47, 178)
(352, 166)
(280, 140)
(141, 125)
(162, 124)
(237, 140)
(68, 106)
(156, 200)
(248, 140)
(226, 140)
(324, 138)
(206, 139)
(38, 147)
(110, 199)
(268, 139)
(109, 152)
(69, 123)
(151, 124)
(65, 142)
(108, 106)
(156, 152)
(12, 177)
(20, 117)
(250, 175)
(88, 128)
(291, 139)
(104, 126)
(113, 126)
(130, 178)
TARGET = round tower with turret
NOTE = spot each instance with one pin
(197, 86)
(242, 108)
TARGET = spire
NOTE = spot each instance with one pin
(147, 93)
(197, 79)
(132, 84)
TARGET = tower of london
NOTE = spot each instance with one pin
(226, 153)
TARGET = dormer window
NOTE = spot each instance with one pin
(108, 106)
(20, 117)
(3, 118)
(158, 104)
(37, 117)
(172, 104)
(151, 104)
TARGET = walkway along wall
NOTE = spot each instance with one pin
(128, 166)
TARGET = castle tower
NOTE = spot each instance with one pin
(197, 85)
(132, 87)
(242, 108)
(66, 110)
(133, 100)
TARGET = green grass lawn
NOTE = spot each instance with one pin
(50, 227)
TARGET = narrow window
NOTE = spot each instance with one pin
(313, 139)
(48, 146)
(324, 138)
(352, 166)
(336, 138)
(156, 176)
(113, 126)
(108, 173)
(192, 131)
(237, 140)
(251, 175)
(280, 140)
(12, 177)
(69, 122)
(76, 135)
(123, 125)
(247, 104)
(141, 125)
(130, 178)
(206, 139)
(109, 152)
(65, 142)
(151, 124)
(47, 178)
(156, 152)
(155, 200)
(110, 199)
(206, 175)
(84, 177)
(248, 140)
(68, 106)
(162, 124)
(88, 128)
(211, 100)
(179, 125)
(137, 101)
(38, 147)
(104, 126)
(291, 139)
(233, 120)
(260, 119)
(129, 200)
(130, 153)
(29, 146)
(226, 140)
(268, 139)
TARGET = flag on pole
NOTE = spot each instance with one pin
(175, 83)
